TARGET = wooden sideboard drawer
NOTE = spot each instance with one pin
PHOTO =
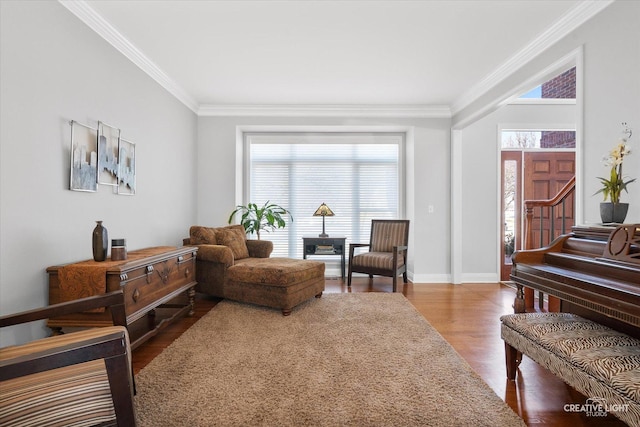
(158, 285)
(147, 285)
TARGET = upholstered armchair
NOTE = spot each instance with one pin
(387, 254)
(230, 266)
(220, 248)
(79, 378)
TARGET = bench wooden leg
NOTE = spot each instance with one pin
(513, 358)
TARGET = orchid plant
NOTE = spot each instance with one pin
(612, 187)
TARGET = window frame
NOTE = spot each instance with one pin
(249, 135)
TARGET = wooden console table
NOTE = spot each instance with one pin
(158, 285)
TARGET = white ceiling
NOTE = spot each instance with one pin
(438, 54)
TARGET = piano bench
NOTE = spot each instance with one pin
(599, 362)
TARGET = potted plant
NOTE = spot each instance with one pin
(268, 217)
(612, 187)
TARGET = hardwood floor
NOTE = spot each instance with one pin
(467, 316)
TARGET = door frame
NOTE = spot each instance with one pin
(503, 95)
(516, 156)
(532, 127)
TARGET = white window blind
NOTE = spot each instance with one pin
(357, 175)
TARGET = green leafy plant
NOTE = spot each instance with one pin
(612, 187)
(254, 219)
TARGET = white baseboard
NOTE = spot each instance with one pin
(331, 272)
(480, 278)
(430, 278)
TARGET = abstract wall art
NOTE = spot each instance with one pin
(100, 156)
(84, 157)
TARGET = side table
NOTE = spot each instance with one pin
(325, 246)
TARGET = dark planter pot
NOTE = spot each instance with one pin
(613, 212)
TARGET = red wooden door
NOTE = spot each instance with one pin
(545, 173)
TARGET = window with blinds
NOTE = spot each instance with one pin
(357, 175)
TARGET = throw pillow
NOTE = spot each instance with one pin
(202, 235)
(235, 239)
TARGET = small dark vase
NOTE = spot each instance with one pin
(100, 242)
(613, 212)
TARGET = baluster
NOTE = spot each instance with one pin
(541, 229)
(552, 219)
(528, 237)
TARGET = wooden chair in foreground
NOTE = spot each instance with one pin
(79, 378)
(387, 255)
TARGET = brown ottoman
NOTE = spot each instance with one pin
(275, 282)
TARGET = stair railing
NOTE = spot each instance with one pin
(559, 200)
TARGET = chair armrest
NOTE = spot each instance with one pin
(260, 248)
(59, 363)
(400, 248)
(63, 350)
(62, 359)
(215, 253)
(353, 246)
(359, 245)
(114, 300)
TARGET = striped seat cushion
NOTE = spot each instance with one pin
(76, 395)
(382, 260)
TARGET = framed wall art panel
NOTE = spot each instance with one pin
(127, 168)
(84, 158)
(108, 145)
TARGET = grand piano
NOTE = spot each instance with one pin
(593, 271)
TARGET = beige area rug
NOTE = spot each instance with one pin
(366, 359)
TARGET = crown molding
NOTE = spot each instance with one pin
(306, 110)
(560, 29)
(97, 23)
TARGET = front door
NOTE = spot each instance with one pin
(532, 175)
(545, 173)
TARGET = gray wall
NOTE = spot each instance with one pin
(480, 186)
(611, 80)
(426, 178)
(53, 69)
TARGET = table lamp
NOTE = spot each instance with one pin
(323, 211)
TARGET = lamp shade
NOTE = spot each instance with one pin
(323, 210)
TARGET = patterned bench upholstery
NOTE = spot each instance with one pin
(599, 362)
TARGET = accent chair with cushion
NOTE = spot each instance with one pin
(229, 265)
(387, 255)
(79, 378)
